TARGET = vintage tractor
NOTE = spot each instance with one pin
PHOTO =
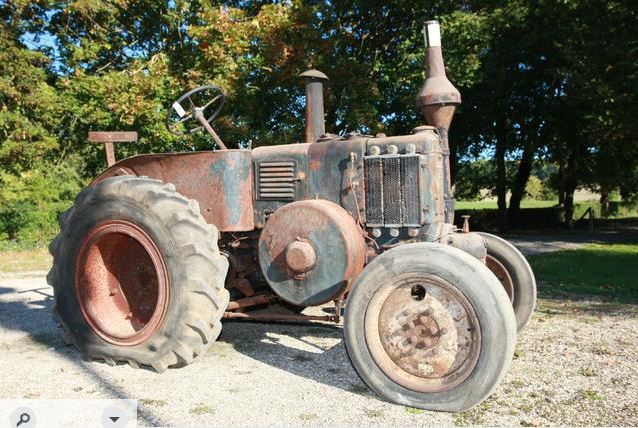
(160, 247)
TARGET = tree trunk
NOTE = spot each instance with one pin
(501, 178)
(520, 182)
(570, 187)
(561, 183)
(569, 205)
(604, 201)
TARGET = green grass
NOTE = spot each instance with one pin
(580, 207)
(491, 204)
(606, 270)
(20, 259)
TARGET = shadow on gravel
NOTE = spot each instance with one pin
(325, 364)
(34, 316)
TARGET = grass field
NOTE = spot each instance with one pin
(17, 260)
(580, 207)
(490, 204)
(609, 271)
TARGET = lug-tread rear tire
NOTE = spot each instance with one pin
(188, 245)
(478, 286)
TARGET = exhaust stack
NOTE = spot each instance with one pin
(315, 124)
(437, 101)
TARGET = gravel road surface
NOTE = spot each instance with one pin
(575, 364)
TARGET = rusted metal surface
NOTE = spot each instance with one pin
(500, 271)
(261, 299)
(112, 137)
(121, 283)
(315, 124)
(335, 173)
(437, 101)
(330, 233)
(466, 223)
(280, 317)
(423, 333)
(221, 182)
(471, 243)
(300, 256)
(293, 184)
(437, 90)
(108, 138)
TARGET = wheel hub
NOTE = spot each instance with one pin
(422, 333)
(500, 271)
(121, 283)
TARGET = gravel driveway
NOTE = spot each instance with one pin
(575, 364)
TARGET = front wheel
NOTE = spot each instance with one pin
(515, 274)
(429, 326)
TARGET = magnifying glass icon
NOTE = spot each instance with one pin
(24, 419)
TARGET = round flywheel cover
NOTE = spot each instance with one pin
(330, 258)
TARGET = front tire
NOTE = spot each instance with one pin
(429, 326)
(512, 269)
(137, 275)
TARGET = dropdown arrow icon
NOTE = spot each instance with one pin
(114, 418)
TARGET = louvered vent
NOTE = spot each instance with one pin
(276, 180)
(392, 191)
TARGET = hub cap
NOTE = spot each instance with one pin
(423, 333)
(121, 283)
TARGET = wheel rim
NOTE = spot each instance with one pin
(500, 271)
(422, 333)
(121, 283)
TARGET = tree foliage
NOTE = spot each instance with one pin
(541, 82)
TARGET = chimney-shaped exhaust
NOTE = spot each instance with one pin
(437, 101)
(315, 124)
(437, 98)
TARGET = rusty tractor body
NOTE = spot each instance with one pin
(358, 220)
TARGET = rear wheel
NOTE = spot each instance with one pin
(429, 326)
(515, 274)
(137, 274)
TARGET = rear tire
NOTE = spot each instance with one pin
(519, 275)
(137, 275)
(444, 348)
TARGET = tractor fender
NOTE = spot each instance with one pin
(220, 181)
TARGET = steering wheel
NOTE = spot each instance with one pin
(202, 104)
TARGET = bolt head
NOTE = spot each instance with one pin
(376, 232)
(375, 150)
(392, 149)
(410, 148)
(412, 232)
(394, 232)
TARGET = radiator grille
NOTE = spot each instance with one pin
(392, 191)
(276, 180)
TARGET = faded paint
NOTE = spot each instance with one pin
(221, 182)
(337, 243)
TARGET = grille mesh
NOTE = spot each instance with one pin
(276, 180)
(410, 189)
(374, 190)
(392, 190)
